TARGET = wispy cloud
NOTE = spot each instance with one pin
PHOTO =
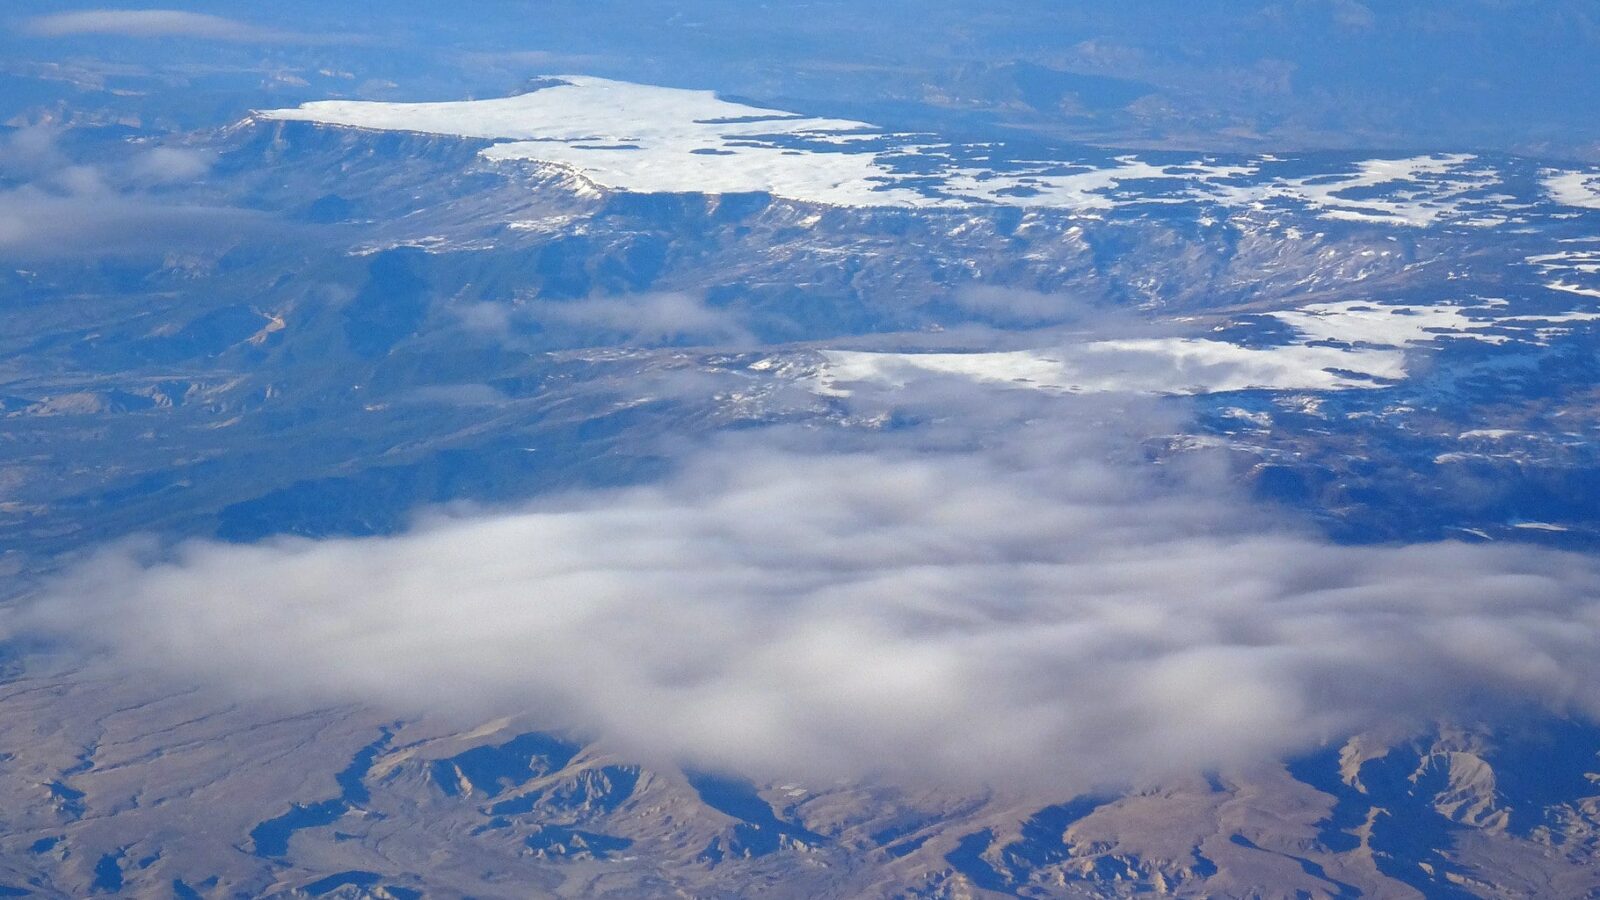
(646, 319)
(1019, 306)
(61, 207)
(154, 23)
(1017, 605)
(1353, 14)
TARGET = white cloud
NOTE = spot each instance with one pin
(63, 208)
(153, 23)
(457, 395)
(168, 165)
(645, 319)
(1019, 306)
(39, 224)
(1353, 14)
(30, 150)
(649, 318)
(973, 604)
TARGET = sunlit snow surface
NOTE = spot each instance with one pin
(647, 139)
(1574, 188)
(1142, 365)
(1338, 346)
(1572, 271)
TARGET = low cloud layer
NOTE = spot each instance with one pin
(53, 206)
(647, 319)
(1029, 608)
(150, 23)
(1021, 307)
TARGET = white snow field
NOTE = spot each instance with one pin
(648, 139)
(1574, 188)
(1142, 365)
(1338, 346)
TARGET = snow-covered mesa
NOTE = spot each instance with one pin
(646, 139)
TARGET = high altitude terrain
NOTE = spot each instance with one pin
(497, 301)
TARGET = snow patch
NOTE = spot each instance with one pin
(1340, 346)
(1356, 322)
(1144, 365)
(1417, 191)
(1574, 188)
